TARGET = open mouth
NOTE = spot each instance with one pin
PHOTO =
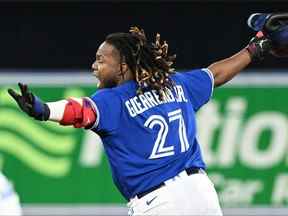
(95, 73)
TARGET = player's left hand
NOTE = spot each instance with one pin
(29, 103)
(259, 46)
(274, 27)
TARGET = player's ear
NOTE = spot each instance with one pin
(124, 67)
(123, 70)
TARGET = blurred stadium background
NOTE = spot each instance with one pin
(63, 171)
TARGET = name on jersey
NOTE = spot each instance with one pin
(150, 99)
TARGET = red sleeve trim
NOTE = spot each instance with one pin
(80, 116)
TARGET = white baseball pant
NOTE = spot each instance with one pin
(181, 195)
(9, 200)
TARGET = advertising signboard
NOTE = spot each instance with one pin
(243, 133)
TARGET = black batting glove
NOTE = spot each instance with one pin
(258, 47)
(30, 103)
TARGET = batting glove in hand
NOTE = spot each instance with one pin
(259, 46)
(30, 103)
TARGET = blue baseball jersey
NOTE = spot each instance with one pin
(148, 140)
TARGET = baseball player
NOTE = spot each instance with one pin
(144, 112)
(9, 200)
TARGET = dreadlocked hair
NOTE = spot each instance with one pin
(149, 62)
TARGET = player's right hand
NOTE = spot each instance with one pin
(29, 103)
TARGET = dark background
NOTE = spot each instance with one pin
(65, 35)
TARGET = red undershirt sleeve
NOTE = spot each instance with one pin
(79, 115)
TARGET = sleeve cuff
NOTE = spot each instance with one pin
(211, 76)
(94, 106)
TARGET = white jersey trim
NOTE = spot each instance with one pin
(210, 74)
(97, 113)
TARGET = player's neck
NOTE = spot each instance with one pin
(126, 77)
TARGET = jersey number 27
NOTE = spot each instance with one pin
(159, 150)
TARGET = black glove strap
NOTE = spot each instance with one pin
(46, 114)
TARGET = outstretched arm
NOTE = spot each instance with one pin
(226, 69)
(78, 112)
